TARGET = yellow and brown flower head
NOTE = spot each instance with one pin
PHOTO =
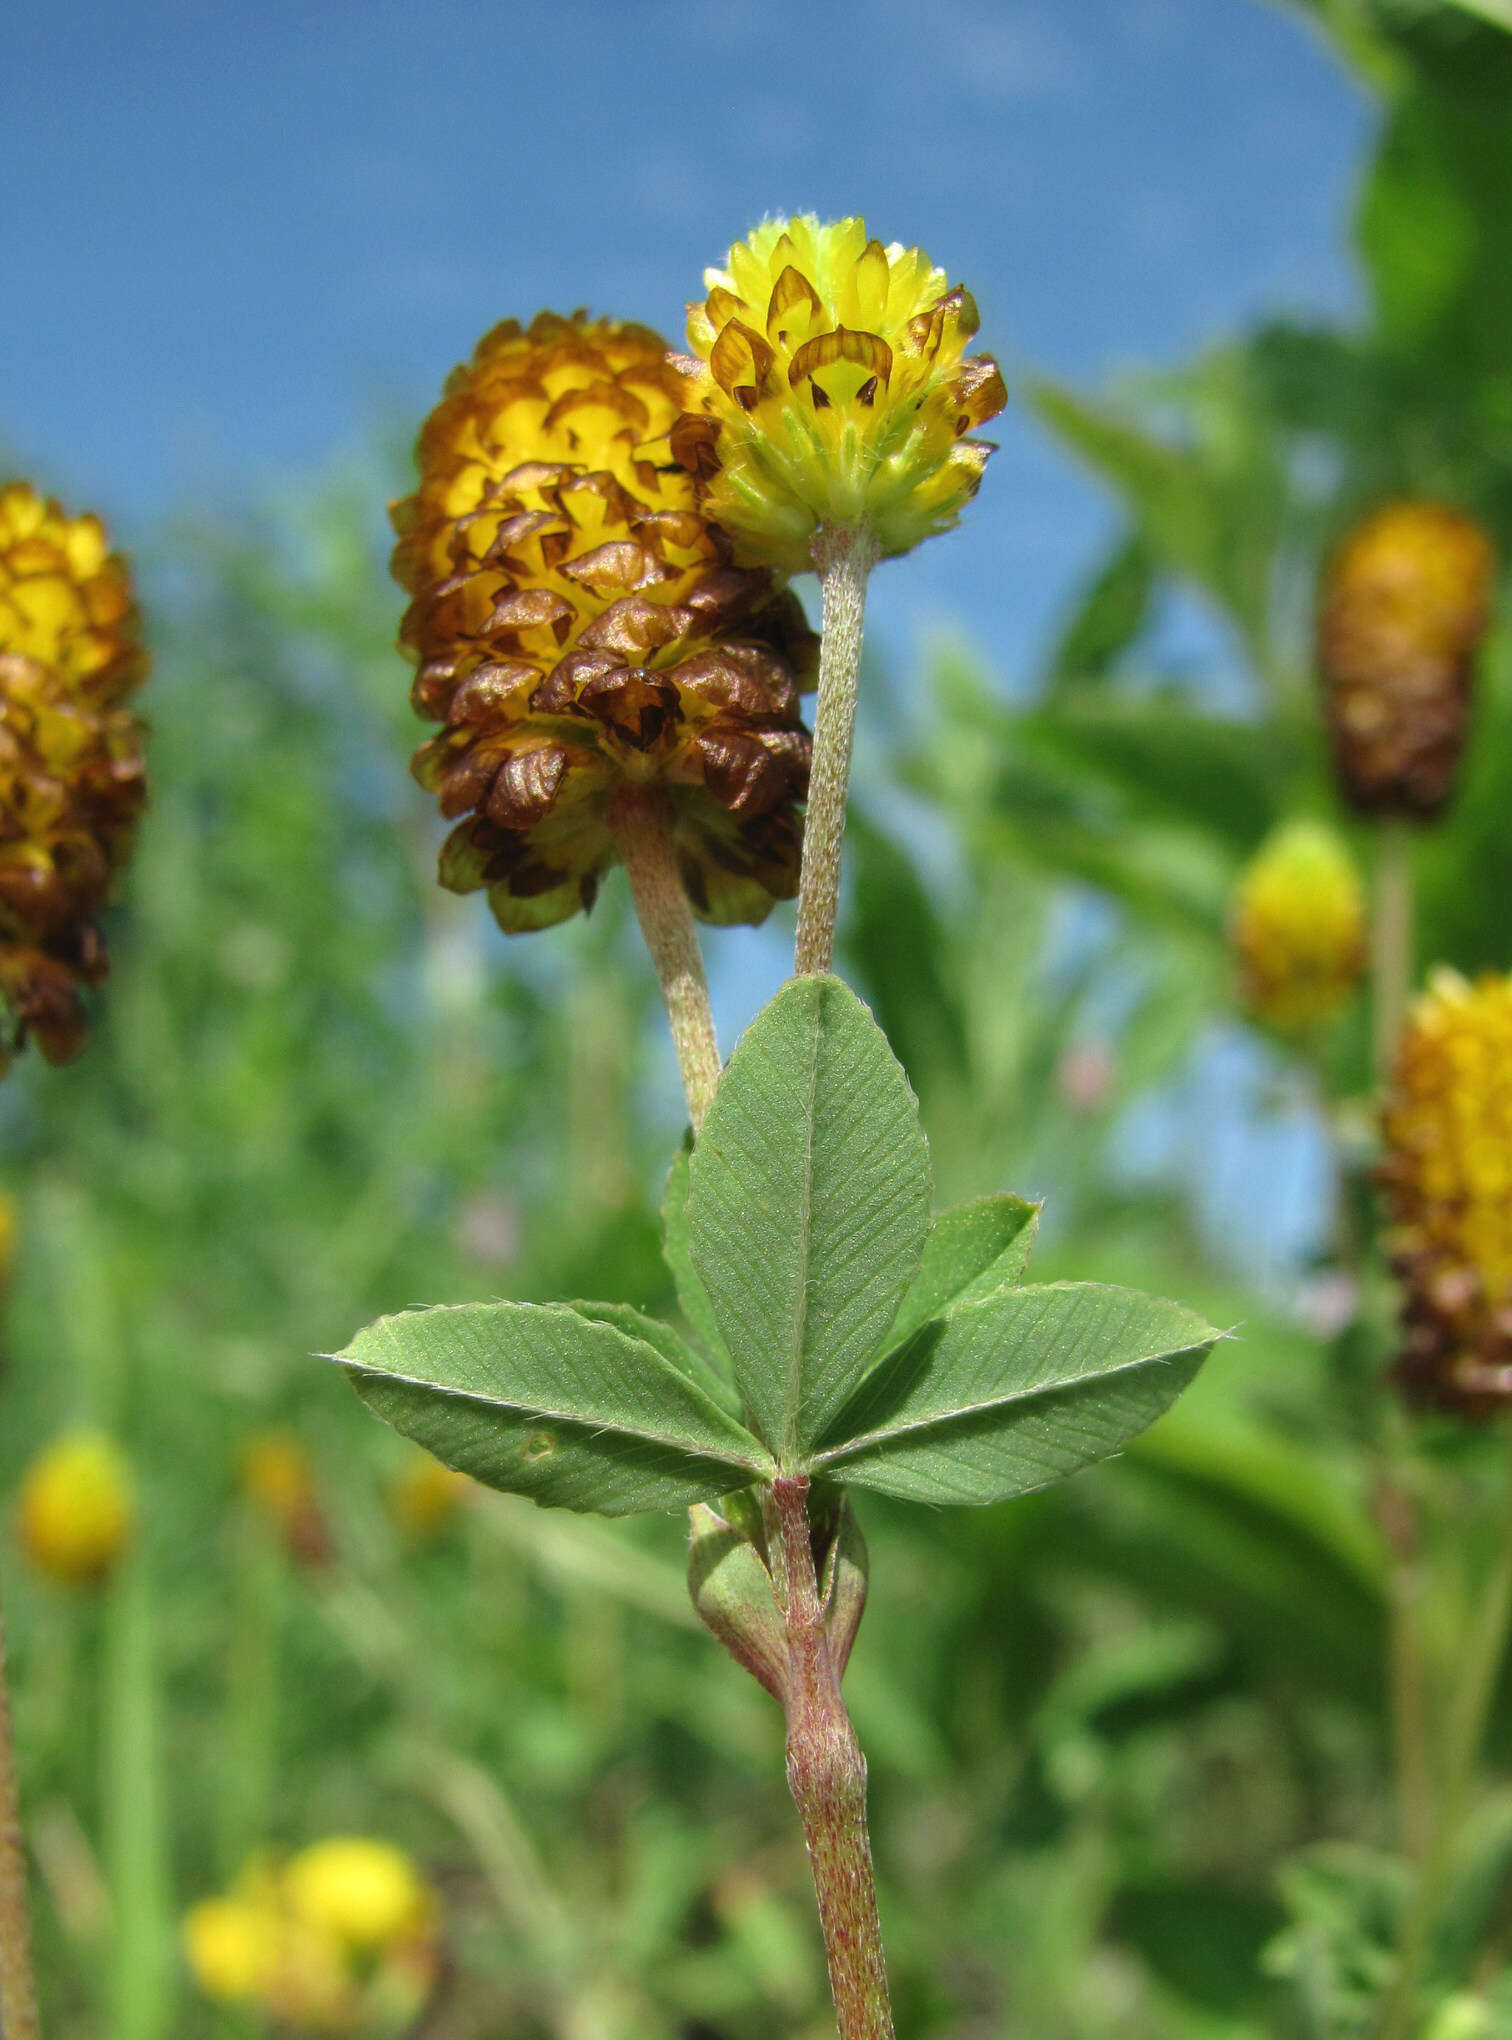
(580, 631)
(1447, 1178)
(1298, 929)
(71, 777)
(832, 388)
(1405, 602)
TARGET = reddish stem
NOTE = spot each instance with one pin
(827, 1778)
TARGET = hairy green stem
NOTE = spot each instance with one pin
(638, 821)
(1467, 1714)
(1396, 1510)
(827, 1778)
(1390, 943)
(18, 1990)
(844, 559)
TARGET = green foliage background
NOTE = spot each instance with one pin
(1126, 1736)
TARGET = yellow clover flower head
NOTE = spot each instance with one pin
(1298, 929)
(71, 775)
(831, 389)
(366, 1894)
(1405, 601)
(1447, 1178)
(231, 1945)
(581, 633)
(77, 1508)
(340, 1939)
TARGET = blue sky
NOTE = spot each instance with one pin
(234, 239)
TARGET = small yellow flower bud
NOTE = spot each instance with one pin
(1298, 929)
(831, 389)
(1447, 1178)
(424, 1496)
(367, 1894)
(231, 1945)
(1404, 603)
(77, 1508)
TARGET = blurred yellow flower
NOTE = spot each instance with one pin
(1447, 1178)
(366, 1893)
(1405, 600)
(71, 774)
(77, 1508)
(230, 1945)
(340, 1939)
(65, 598)
(831, 390)
(424, 1496)
(277, 1476)
(1298, 929)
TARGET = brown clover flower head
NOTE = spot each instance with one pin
(832, 388)
(580, 632)
(1405, 601)
(71, 774)
(1447, 1179)
(1298, 929)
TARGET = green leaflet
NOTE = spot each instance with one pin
(677, 1252)
(671, 1346)
(541, 1400)
(972, 1251)
(808, 1206)
(1008, 1394)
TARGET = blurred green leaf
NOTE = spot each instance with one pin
(541, 1401)
(808, 1205)
(1003, 1396)
(1209, 508)
(1110, 613)
(896, 938)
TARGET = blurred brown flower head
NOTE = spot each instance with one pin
(71, 775)
(1405, 601)
(277, 1476)
(580, 632)
(1298, 929)
(1447, 1177)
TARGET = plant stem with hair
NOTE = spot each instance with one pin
(1467, 1714)
(639, 823)
(844, 559)
(1390, 942)
(827, 1778)
(18, 1991)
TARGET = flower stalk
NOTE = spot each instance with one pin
(1391, 942)
(638, 825)
(827, 1777)
(844, 558)
(18, 1992)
